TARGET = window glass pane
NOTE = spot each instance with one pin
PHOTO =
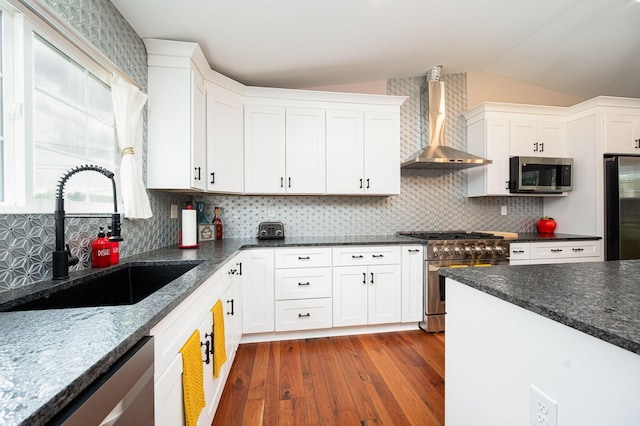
(73, 126)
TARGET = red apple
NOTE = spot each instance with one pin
(546, 225)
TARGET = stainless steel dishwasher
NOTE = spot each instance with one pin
(121, 396)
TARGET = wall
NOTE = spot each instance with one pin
(27, 240)
(429, 200)
(489, 87)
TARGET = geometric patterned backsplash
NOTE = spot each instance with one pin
(429, 200)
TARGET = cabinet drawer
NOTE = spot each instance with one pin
(303, 314)
(303, 257)
(304, 283)
(365, 255)
(518, 252)
(564, 249)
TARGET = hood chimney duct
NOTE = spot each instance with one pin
(437, 155)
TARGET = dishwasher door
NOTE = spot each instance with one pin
(121, 396)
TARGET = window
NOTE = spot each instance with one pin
(61, 116)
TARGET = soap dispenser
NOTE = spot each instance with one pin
(100, 251)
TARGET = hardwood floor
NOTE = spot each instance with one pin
(372, 379)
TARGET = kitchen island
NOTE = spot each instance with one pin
(572, 331)
(48, 357)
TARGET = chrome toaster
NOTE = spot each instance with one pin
(271, 231)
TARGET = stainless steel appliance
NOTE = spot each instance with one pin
(622, 204)
(540, 175)
(270, 231)
(453, 249)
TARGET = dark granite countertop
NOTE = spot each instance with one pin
(49, 356)
(601, 299)
(525, 237)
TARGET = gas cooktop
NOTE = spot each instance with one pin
(449, 235)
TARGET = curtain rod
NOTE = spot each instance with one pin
(73, 36)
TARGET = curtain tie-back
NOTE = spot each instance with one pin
(128, 150)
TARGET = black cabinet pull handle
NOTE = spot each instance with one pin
(541, 146)
(281, 182)
(207, 349)
(239, 268)
(360, 183)
(305, 284)
(377, 255)
(364, 278)
(535, 147)
(517, 251)
(232, 308)
(304, 257)
(577, 249)
(289, 182)
(213, 177)
(506, 183)
(414, 250)
(371, 277)
(556, 250)
(359, 256)
(304, 315)
(367, 183)
(197, 177)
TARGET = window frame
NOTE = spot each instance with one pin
(18, 116)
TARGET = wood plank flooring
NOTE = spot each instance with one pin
(371, 379)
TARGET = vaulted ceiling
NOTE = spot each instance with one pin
(584, 48)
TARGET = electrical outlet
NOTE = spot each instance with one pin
(543, 409)
(503, 210)
(174, 211)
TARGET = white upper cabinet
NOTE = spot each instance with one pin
(622, 134)
(362, 148)
(225, 140)
(537, 138)
(498, 131)
(284, 150)
(176, 156)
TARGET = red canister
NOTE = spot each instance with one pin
(100, 250)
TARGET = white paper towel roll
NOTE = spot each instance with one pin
(189, 228)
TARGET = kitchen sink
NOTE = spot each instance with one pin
(124, 286)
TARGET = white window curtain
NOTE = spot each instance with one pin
(128, 102)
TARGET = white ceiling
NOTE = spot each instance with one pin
(584, 48)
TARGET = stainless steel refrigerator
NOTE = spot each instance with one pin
(622, 207)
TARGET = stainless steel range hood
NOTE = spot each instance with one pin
(437, 155)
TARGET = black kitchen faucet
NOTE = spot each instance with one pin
(62, 257)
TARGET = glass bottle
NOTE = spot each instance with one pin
(217, 223)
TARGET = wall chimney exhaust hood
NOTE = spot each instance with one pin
(437, 155)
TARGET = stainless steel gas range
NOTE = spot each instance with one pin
(453, 249)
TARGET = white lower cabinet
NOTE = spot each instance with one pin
(412, 283)
(570, 251)
(258, 315)
(368, 291)
(303, 288)
(170, 334)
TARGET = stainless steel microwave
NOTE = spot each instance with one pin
(531, 175)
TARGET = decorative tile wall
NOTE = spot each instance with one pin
(429, 200)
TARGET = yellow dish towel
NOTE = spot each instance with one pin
(192, 379)
(219, 349)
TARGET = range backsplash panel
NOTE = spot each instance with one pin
(429, 200)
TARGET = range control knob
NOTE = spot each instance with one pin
(488, 250)
(457, 251)
(447, 251)
(436, 252)
(479, 250)
(467, 251)
(500, 251)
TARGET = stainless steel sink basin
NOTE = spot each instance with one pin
(124, 286)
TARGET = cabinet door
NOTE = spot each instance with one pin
(345, 152)
(523, 138)
(621, 134)
(232, 308)
(413, 283)
(552, 139)
(519, 253)
(264, 149)
(225, 143)
(258, 291)
(489, 138)
(198, 132)
(381, 153)
(305, 151)
(385, 294)
(167, 394)
(350, 295)
(212, 386)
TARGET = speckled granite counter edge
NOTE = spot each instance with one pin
(554, 315)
